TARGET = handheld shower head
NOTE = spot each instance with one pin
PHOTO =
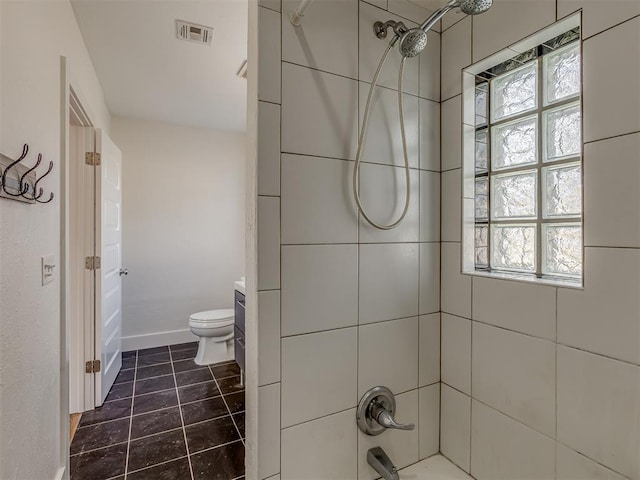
(475, 7)
(412, 42)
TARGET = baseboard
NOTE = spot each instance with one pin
(60, 473)
(159, 339)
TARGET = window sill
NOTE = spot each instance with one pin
(528, 278)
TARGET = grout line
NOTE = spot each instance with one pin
(610, 28)
(218, 446)
(227, 405)
(556, 382)
(158, 464)
(126, 462)
(184, 432)
(366, 162)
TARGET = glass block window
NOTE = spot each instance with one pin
(528, 165)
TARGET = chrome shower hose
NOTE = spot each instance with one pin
(361, 140)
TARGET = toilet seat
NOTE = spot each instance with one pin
(219, 318)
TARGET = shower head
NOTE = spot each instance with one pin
(475, 7)
(412, 42)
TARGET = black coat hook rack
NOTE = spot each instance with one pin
(19, 182)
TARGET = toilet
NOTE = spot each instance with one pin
(215, 329)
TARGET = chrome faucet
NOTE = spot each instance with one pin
(376, 410)
(381, 463)
(374, 415)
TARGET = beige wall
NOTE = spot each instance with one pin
(183, 226)
(33, 421)
(344, 307)
(534, 374)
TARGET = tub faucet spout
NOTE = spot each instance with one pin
(381, 463)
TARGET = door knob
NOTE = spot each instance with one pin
(124, 271)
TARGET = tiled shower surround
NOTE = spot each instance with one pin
(344, 307)
(538, 382)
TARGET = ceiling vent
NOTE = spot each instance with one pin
(192, 32)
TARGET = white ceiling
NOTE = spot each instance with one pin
(147, 73)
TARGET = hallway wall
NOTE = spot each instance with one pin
(33, 356)
(183, 226)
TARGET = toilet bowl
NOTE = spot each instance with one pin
(215, 329)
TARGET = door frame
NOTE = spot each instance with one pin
(71, 99)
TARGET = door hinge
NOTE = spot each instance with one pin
(92, 158)
(92, 366)
(92, 263)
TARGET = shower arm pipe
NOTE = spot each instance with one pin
(296, 15)
(438, 14)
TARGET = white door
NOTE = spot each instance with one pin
(108, 225)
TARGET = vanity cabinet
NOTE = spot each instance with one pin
(238, 334)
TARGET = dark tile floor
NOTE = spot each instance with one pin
(165, 418)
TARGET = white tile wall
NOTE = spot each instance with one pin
(429, 135)
(268, 243)
(269, 337)
(272, 4)
(612, 102)
(269, 58)
(456, 49)
(611, 173)
(455, 427)
(508, 22)
(326, 40)
(319, 113)
(269, 430)
(319, 375)
(323, 448)
(269, 149)
(599, 409)
(502, 448)
(429, 207)
(378, 3)
(604, 317)
(372, 48)
(400, 445)
(388, 281)
(452, 205)
(408, 9)
(451, 147)
(430, 68)
(456, 352)
(388, 355)
(319, 288)
(429, 277)
(452, 17)
(515, 374)
(317, 201)
(322, 246)
(429, 350)
(383, 141)
(574, 466)
(456, 288)
(378, 184)
(429, 415)
(599, 15)
(517, 306)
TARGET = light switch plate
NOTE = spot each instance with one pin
(48, 269)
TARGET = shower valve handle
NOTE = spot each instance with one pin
(384, 418)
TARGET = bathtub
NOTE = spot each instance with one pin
(433, 468)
